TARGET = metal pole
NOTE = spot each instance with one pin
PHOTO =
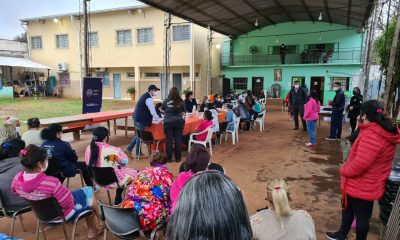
(209, 39)
(384, 47)
(167, 48)
(85, 38)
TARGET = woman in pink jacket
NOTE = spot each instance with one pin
(311, 111)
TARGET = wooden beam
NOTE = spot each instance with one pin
(217, 2)
(283, 10)
(259, 12)
(303, 2)
(328, 13)
(349, 3)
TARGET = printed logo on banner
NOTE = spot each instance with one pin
(92, 94)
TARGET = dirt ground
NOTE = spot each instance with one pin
(276, 152)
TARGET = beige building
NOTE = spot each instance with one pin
(126, 50)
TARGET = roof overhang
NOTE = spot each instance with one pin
(21, 62)
(238, 17)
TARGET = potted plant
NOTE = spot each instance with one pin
(131, 91)
(184, 91)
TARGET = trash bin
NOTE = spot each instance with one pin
(391, 190)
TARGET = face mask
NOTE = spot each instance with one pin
(335, 88)
(355, 92)
(155, 94)
(45, 167)
(296, 86)
(17, 129)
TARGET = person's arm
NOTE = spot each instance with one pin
(69, 152)
(164, 105)
(122, 157)
(152, 109)
(62, 195)
(290, 97)
(368, 149)
(358, 103)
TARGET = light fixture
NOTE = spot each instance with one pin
(320, 36)
(277, 39)
(218, 46)
(320, 16)
(256, 23)
(56, 20)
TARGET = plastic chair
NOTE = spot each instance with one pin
(261, 120)
(13, 214)
(222, 130)
(49, 213)
(148, 139)
(105, 176)
(235, 132)
(209, 132)
(122, 222)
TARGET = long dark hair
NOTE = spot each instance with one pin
(33, 156)
(99, 134)
(197, 160)
(50, 133)
(373, 109)
(314, 95)
(176, 97)
(188, 94)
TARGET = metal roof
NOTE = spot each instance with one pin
(21, 62)
(238, 17)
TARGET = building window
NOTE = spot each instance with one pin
(275, 50)
(197, 74)
(322, 47)
(152, 75)
(181, 33)
(124, 37)
(62, 41)
(93, 39)
(240, 83)
(185, 74)
(130, 74)
(145, 35)
(65, 80)
(106, 78)
(344, 81)
(36, 42)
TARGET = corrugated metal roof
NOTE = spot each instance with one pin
(21, 62)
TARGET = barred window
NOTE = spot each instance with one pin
(62, 41)
(145, 35)
(152, 75)
(130, 74)
(93, 39)
(36, 42)
(344, 81)
(124, 37)
(105, 78)
(185, 74)
(181, 33)
(65, 79)
(275, 50)
(240, 83)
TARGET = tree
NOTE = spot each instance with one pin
(21, 38)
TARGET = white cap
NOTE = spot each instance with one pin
(241, 97)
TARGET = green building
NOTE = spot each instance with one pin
(334, 54)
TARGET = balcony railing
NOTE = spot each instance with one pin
(353, 56)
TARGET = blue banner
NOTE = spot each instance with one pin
(92, 94)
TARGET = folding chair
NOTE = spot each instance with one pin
(148, 139)
(49, 213)
(54, 170)
(209, 132)
(104, 177)
(12, 213)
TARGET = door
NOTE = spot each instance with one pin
(257, 86)
(177, 81)
(317, 84)
(226, 86)
(117, 85)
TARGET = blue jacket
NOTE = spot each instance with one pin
(189, 105)
(142, 113)
(63, 153)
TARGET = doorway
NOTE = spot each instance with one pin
(257, 85)
(117, 85)
(226, 86)
(177, 81)
(317, 84)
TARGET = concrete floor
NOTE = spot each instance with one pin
(276, 152)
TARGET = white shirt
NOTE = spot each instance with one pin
(152, 109)
(32, 136)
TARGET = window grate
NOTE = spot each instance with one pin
(62, 41)
(124, 37)
(36, 42)
(181, 33)
(93, 39)
(145, 35)
(240, 83)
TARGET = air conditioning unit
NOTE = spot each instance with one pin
(101, 69)
(63, 67)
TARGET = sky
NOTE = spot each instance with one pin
(13, 10)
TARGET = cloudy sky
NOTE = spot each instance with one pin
(13, 10)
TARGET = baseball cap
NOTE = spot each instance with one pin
(153, 87)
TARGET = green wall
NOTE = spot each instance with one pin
(6, 93)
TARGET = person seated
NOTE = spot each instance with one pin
(280, 221)
(190, 102)
(211, 166)
(305, 56)
(257, 108)
(228, 99)
(197, 160)
(214, 112)
(230, 118)
(149, 193)
(62, 158)
(218, 102)
(16, 123)
(32, 135)
(101, 154)
(203, 104)
(242, 110)
(262, 95)
(8, 132)
(206, 123)
(33, 185)
(159, 112)
(328, 56)
(10, 165)
(210, 207)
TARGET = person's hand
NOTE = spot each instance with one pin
(351, 107)
(330, 102)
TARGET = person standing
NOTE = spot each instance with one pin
(354, 108)
(143, 116)
(337, 113)
(311, 111)
(190, 102)
(366, 170)
(282, 52)
(174, 123)
(297, 99)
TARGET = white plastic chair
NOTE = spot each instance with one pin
(209, 131)
(235, 132)
(260, 120)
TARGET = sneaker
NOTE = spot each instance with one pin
(309, 144)
(334, 236)
(128, 153)
(330, 138)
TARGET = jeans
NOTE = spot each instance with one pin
(362, 210)
(336, 124)
(296, 110)
(311, 125)
(173, 131)
(135, 140)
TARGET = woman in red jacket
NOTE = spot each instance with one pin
(366, 169)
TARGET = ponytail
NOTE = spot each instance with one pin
(32, 155)
(374, 111)
(278, 193)
(99, 134)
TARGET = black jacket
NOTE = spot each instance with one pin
(297, 98)
(355, 102)
(338, 101)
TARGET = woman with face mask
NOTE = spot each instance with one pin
(366, 170)
(354, 108)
